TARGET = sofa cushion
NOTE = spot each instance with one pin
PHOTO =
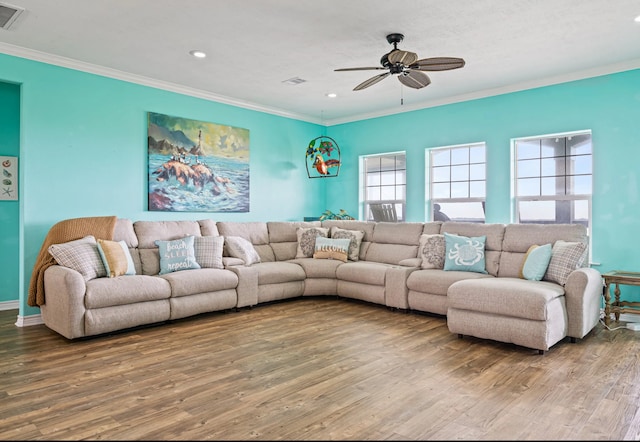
(464, 253)
(566, 256)
(108, 292)
(307, 240)
(116, 258)
(208, 251)
(80, 255)
(363, 272)
(178, 254)
(192, 282)
(318, 268)
(355, 240)
(437, 282)
(279, 272)
(514, 297)
(148, 232)
(239, 247)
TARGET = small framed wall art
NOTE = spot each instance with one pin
(9, 177)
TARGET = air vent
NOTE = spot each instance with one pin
(293, 81)
(8, 15)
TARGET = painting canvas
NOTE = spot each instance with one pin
(9, 189)
(197, 166)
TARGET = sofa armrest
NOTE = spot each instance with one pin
(63, 310)
(583, 293)
(247, 288)
(396, 293)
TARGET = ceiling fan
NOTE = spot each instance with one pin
(407, 66)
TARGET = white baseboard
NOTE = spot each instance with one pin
(9, 305)
(27, 321)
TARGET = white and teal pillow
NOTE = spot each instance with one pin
(178, 254)
(536, 262)
(332, 248)
(464, 253)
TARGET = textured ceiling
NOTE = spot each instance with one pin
(253, 46)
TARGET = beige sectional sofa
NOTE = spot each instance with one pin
(386, 270)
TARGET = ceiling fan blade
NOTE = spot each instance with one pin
(404, 57)
(371, 81)
(437, 64)
(414, 79)
(358, 69)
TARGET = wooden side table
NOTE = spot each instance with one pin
(619, 277)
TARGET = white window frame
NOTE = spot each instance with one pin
(429, 178)
(399, 203)
(516, 198)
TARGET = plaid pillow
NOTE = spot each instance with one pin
(565, 258)
(80, 255)
(208, 251)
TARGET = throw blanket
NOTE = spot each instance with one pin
(68, 230)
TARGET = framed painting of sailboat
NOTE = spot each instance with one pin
(196, 166)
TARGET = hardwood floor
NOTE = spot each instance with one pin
(314, 368)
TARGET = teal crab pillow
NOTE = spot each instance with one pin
(464, 253)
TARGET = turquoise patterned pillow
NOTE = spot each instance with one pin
(178, 254)
(464, 253)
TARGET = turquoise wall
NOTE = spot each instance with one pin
(608, 105)
(9, 210)
(84, 153)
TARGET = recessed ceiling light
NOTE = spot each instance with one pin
(331, 95)
(637, 19)
(198, 54)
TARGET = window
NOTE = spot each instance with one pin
(553, 179)
(457, 183)
(384, 180)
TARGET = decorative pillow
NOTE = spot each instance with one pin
(239, 247)
(80, 255)
(565, 258)
(178, 254)
(432, 251)
(208, 251)
(307, 240)
(332, 248)
(355, 238)
(464, 253)
(536, 262)
(116, 258)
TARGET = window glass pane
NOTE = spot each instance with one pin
(373, 194)
(581, 212)
(552, 147)
(579, 184)
(579, 144)
(528, 186)
(373, 179)
(401, 192)
(460, 190)
(460, 173)
(466, 212)
(476, 154)
(553, 185)
(372, 164)
(579, 165)
(387, 163)
(477, 189)
(536, 212)
(440, 174)
(477, 172)
(440, 190)
(401, 162)
(401, 177)
(528, 168)
(527, 149)
(553, 166)
(387, 178)
(440, 157)
(388, 193)
(460, 155)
